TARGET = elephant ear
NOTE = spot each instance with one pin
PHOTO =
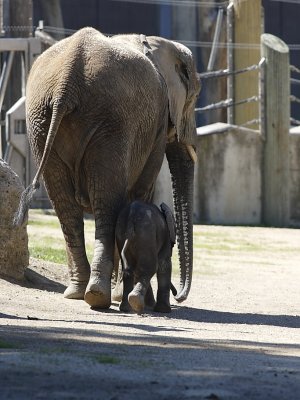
(170, 221)
(175, 63)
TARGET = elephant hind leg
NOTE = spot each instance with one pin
(79, 277)
(128, 286)
(61, 192)
(149, 298)
(117, 284)
(98, 291)
(164, 287)
(146, 267)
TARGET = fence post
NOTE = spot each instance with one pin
(276, 198)
(247, 29)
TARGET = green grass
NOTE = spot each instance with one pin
(211, 243)
(6, 345)
(44, 252)
(55, 350)
(227, 246)
(46, 240)
(52, 222)
(105, 359)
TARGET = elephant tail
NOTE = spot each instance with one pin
(173, 290)
(58, 113)
(124, 258)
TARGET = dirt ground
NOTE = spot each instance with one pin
(236, 337)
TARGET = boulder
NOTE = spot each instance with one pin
(14, 254)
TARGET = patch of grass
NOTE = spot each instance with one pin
(228, 245)
(6, 345)
(105, 359)
(46, 240)
(49, 222)
(55, 350)
(43, 252)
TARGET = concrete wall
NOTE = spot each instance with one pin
(163, 187)
(228, 177)
(294, 140)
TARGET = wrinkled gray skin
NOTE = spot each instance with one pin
(145, 238)
(114, 106)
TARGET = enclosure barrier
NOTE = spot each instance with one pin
(230, 102)
(274, 125)
(295, 99)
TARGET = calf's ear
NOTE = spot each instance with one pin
(170, 221)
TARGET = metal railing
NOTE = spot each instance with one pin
(227, 103)
(295, 99)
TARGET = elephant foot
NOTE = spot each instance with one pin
(98, 293)
(75, 291)
(125, 306)
(162, 307)
(136, 301)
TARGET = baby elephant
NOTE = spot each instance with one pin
(145, 238)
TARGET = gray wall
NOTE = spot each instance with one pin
(295, 176)
(228, 176)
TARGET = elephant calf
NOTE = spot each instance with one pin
(145, 238)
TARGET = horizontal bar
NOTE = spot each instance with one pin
(227, 103)
(226, 72)
(18, 44)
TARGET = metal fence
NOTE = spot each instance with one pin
(295, 70)
(229, 102)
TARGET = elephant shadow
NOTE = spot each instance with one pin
(36, 280)
(225, 317)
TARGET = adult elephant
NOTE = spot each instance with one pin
(101, 112)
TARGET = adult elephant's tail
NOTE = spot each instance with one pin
(57, 115)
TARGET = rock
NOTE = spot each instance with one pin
(14, 254)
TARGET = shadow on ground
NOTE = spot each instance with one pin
(144, 365)
(223, 317)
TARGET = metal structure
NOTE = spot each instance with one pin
(15, 149)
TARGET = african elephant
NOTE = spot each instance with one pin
(145, 238)
(100, 113)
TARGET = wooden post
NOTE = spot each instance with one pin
(53, 16)
(247, 28)
(20, 12)
(184, 22)
(276, 169)
(21, 23)
(213, 90)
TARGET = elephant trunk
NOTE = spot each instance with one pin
(182, 172)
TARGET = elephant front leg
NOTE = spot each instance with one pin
(136, 297)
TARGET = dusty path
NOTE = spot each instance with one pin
(237, 336)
